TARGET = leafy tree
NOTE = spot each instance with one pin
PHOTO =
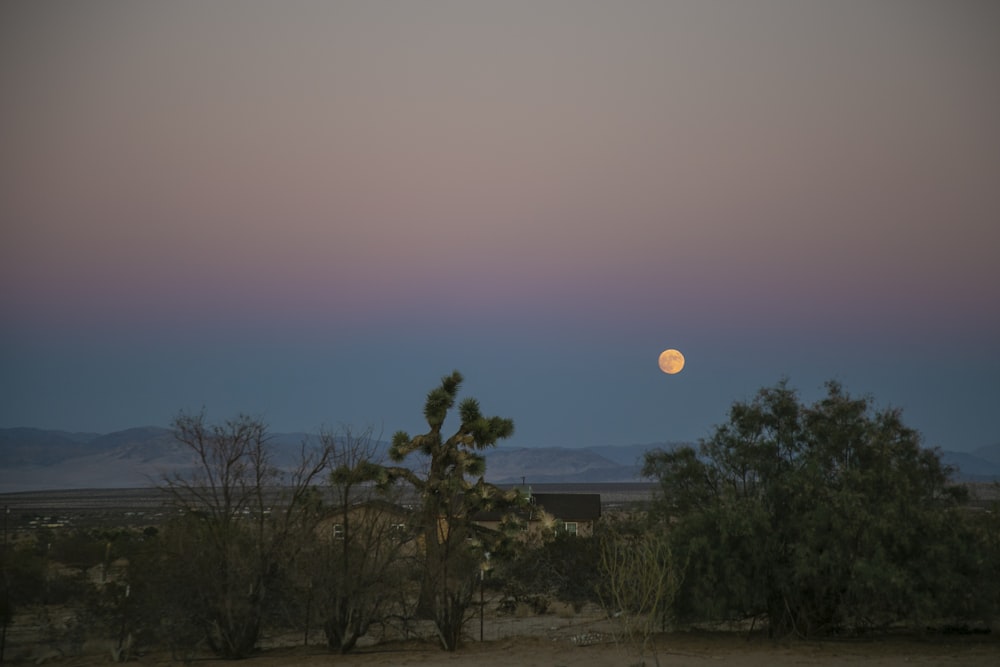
(819, 518)
(979, 560)
(453, 547)
(244, 518)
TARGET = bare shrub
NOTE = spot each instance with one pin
(640, 581)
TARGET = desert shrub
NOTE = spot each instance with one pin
(168, 582)
(565, 568)
(77, 548)
(24, 580)
(639, 581)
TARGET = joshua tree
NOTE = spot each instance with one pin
(453, 547)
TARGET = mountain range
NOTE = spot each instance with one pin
(35, 459)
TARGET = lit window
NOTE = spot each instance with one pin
(570, 527)
(338, 531)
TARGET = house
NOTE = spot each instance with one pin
(367, 520)
(543, 514)
(573, 513)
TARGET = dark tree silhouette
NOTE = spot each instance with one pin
(818, 518)
(244, 518)
(451, 492)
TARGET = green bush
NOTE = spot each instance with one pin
(820, 518)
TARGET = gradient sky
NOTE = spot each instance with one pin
(310, 211)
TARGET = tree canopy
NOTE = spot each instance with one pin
(816, 518)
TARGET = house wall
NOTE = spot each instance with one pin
(537, 527)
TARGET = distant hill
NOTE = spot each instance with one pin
(981, 465)
(25, 446)
(989, 453)
(551, 464)
(631, 455)
(36, 459)
(563, 465)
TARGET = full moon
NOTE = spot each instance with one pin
(671, 361)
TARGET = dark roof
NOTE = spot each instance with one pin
(563, 506)
(570, 506)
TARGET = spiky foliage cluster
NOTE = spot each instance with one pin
(456, 460)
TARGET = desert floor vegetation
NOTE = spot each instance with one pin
(560, 637)
(795, 534)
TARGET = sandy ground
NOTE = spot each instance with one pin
(676, 651)
(589, 640)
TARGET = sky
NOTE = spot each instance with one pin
(311, 211)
